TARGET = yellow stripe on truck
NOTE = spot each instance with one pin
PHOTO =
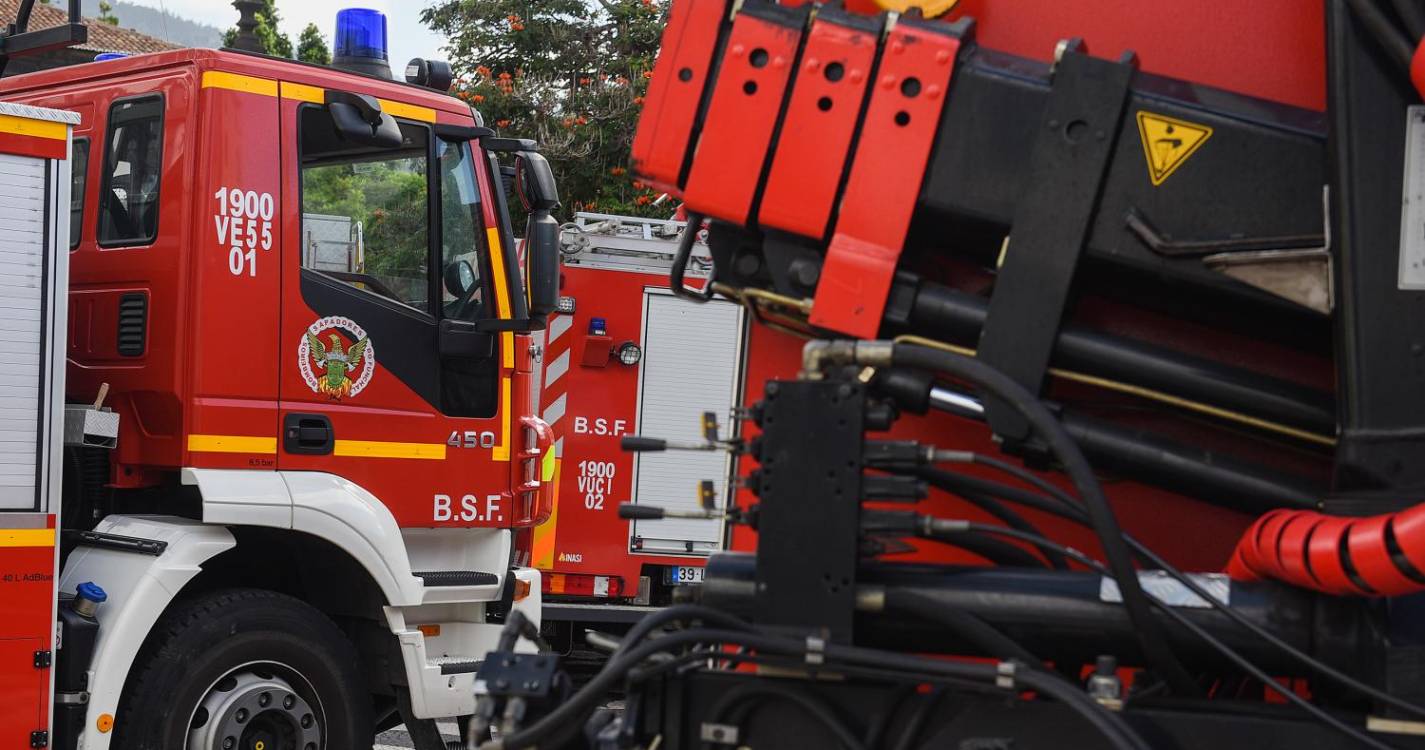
(501, 452)
(26, 537)
(301, 92)
(407, 111)
(217, 79)
(232, 444)
(377, 449)
(502, 282)
(55, 131)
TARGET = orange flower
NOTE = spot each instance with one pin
(647, 74)
(581, 121)
(516, 27)
(638, 101)
(643, 200)
(504, 76)
(482, 71)
(617, 171)
(477, 98)
(502, 123)
(637, 185)
(585, 81)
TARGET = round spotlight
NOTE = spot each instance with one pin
(629, 353)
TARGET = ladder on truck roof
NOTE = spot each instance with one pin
(629, 243)
(17, 40)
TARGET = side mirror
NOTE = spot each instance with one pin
(534, 184)
(359, 119)
(542, 263)
(459, 278)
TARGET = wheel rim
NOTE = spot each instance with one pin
(257, 707)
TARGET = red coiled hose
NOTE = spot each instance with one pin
(1375, 556)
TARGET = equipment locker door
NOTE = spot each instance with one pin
(692, 364)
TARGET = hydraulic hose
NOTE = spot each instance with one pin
(564, 717)
(1377, 556)
(987, 639)
(1150, 633)
(959, 316)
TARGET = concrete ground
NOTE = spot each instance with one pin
(399, 739)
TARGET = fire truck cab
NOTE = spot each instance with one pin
(298, 290)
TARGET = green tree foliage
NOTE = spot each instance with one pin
(312, 47)
(106, 13)
(569, 73)
(274, 42)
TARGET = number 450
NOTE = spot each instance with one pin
(471, 439)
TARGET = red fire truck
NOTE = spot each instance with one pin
(296, 310)
(624, 355)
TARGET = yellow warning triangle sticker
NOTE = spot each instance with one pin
(1168, 142)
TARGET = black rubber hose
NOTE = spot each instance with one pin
(1151, 636)
(815, 708)
(566, 715)
(1413, 18)
(965, 484)
(683, 256)
(1061, 504)
(972, 629)
(1378, 25)
(1003, 513)
(994, 550)
(918, 719)
(888, 716)
(1215, 477)
(1247, 666)
(960, 316)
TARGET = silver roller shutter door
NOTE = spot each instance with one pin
(22, 250)
(692, 360)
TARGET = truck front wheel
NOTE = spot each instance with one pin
(245, 669)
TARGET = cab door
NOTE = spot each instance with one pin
(388, 250)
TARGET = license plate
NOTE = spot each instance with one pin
(682, 575)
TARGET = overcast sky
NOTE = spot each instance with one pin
(409, 37)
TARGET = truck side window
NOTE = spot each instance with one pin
(366, 211)
(133, 161)
(462, 233)
(79, 172)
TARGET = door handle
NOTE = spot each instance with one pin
(308, 434)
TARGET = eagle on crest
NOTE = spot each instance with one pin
(338, 363)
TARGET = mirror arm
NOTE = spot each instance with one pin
(462, 132)
(508, 145)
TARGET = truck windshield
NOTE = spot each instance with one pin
(367, 212)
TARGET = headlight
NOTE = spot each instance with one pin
(629, 353)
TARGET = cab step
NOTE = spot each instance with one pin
(442, 578)
(456, 664)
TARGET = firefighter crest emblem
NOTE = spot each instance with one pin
(329, 365)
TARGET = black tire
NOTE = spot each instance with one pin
(245, 636)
